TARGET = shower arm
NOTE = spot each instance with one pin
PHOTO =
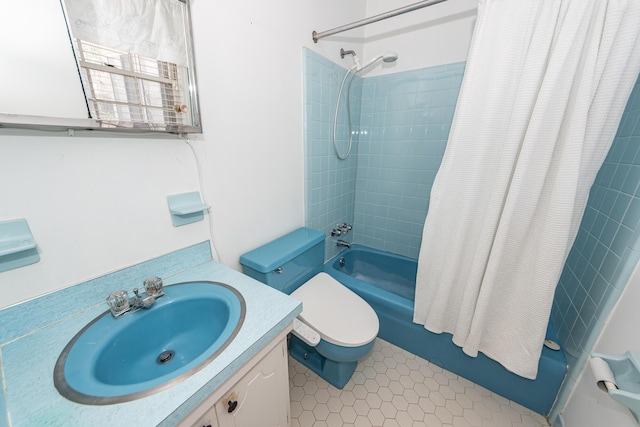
(410, 8)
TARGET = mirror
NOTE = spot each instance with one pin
(131, 67)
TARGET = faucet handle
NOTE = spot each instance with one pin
(118, 301)
(153, 285)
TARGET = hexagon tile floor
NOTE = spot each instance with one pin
(392, 387)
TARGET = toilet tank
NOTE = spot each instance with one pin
(287, 262)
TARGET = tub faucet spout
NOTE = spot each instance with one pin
(343, 243)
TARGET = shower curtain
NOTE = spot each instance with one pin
(545, 86)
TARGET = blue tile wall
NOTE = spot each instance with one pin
(330, 183)
(4, 422)
(405, 122)
(401, 124)
(606, 249)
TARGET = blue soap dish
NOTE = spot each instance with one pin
(17, 246)
(186, 208)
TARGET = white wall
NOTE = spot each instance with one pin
(93, 205)
(251, 67)
(97, 202)
(434, 35)
(588, 406)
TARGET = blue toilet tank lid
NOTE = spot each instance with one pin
(274, 254)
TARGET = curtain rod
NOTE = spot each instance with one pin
(410, 8)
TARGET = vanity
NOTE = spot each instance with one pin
(257, 395)
(244, 385)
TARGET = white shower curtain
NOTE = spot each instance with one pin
(545, 86)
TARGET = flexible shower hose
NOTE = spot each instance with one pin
(335, 117)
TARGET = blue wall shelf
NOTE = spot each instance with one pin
(186, 208)
(17, 246)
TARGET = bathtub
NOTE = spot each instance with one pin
(387, 282)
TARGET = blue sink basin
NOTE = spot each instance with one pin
(117, 360)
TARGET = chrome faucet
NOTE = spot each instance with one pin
(341, 229)
(343, 243)
(120, 303)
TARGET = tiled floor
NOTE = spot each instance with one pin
(392, 387)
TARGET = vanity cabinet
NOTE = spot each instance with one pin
(209, 419)
(258, 395)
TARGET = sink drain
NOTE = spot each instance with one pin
(165, 356)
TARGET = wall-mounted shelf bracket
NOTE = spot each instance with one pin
(17, 246)
(626, 371)
(186, 208)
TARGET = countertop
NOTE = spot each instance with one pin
(27, 361)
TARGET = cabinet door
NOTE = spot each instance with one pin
(209, 419)
(261, 397)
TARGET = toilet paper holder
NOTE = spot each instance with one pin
(625, 372)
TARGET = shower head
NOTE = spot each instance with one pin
(390, 57)
(387, 57)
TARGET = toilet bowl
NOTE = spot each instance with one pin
(336, 327)
(346, 324)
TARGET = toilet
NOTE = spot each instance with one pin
(336, 327)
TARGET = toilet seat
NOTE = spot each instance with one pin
(340, 316)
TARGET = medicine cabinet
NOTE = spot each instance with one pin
(124, 65)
